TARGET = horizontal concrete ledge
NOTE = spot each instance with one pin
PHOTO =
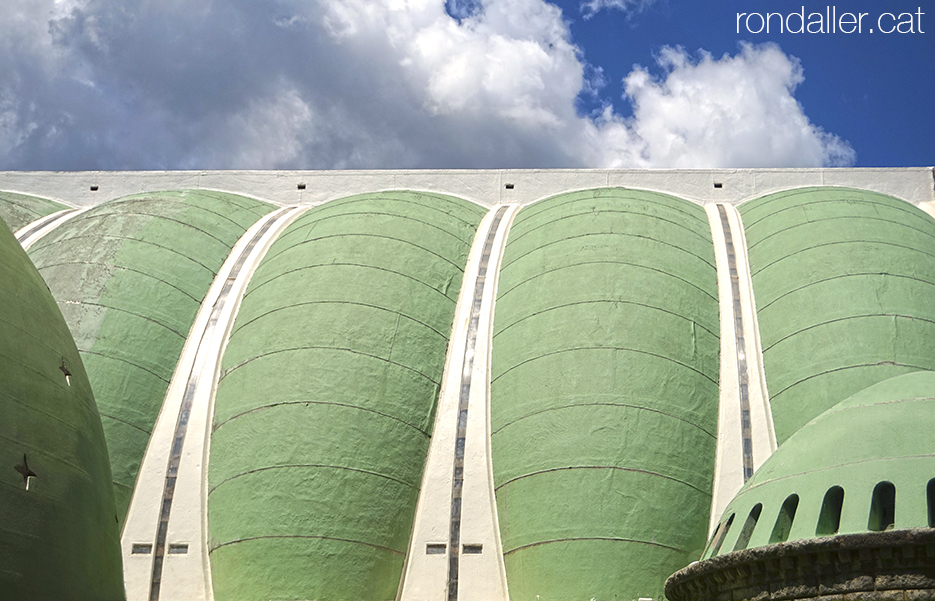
(869, 565)
(487, 187)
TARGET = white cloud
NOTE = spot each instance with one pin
(592, 7)
(366, 83)
(12, 131)
(736, 110)
(268, 131)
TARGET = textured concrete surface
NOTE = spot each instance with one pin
(846, 279)
(604, 393)
(484, 186)
(894, 566)
(327, 398)
(129, 276)
(59, 535)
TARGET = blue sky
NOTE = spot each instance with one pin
(873, 90)
(324, 84)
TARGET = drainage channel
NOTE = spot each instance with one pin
(740, 343)
(457, 482)
(181, 427)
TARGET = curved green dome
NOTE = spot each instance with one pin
(18, 210)
(864, 465)
(59, 538)
(129, 276)
(845, 294)
(605, 352)
(327, 397)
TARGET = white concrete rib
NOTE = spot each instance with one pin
(480, 576)
(33, 232)
(745, 433)
(170, 491)
(928, 207)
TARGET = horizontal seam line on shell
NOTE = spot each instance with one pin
(595, 538)
(627, 405)
(348, 405)
(330, 348)
(606, 301)
(273, 536)
(122, 360)
(338, 302)
(846, 318)
(315, 465)
(753, 275)
(601, 467)
(604, 348)
(837, 369)
(584, 263)
(841, 277)
(621, 234)
(121, 267)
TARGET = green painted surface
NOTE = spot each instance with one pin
(604, 394)
(18, 210)
(883, 433)
(327, 399)
(59, 538)
(845, 292)
(129, 276)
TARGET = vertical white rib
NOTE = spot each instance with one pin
(481, 576)
(740, 344)
(186, 576)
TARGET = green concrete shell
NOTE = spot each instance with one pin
(18, 210)
(327, 398)
(845, 291)
(59, 538)
(604, 393)
(882, 434)
(129, 276)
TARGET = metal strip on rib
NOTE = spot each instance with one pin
(181, 426)
(42, 223)
(35, 231)
(745, 425)
(746, 437)
(457, 481)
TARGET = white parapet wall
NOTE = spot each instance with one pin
(488, 187)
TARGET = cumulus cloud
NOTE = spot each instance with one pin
(88, 84)
(728, 111)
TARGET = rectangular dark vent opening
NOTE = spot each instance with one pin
(718, 185)
(435, 549)
(473, 549)
(94, 188)
(509, 186)
(180, 549)
(141, 549)
(301, 186)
